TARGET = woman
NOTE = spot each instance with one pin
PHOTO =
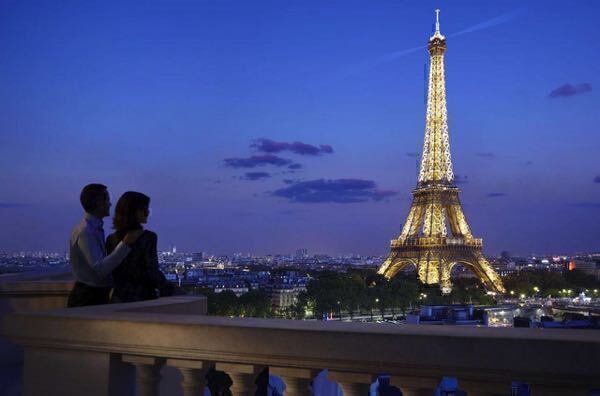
(138, 277)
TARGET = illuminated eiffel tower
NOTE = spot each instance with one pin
(424, 241)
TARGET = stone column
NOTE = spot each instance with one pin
(243, 377)
(352, 384)
(147, 376)
(553, 390)
(417, 391)
(484, 388)
(193, 374)
(415, 386)
(75, 372)
(297, 380)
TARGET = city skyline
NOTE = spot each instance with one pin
(269, 127)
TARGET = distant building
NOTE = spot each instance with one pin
(301, 253)
(198, 257)
(457, 314)
(587, 265)
(285, 289)
(171, 276)
(284, 296)
(237, 288)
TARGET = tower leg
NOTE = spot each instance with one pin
(494, 282)
(445, 277)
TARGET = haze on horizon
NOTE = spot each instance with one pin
(266, 127)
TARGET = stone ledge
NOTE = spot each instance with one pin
(158, 328)
(36, 284)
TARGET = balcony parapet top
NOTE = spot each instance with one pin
(166, 328)
(36, 283)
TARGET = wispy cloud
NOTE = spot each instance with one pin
(368, 64)
(504, 18)
(499, 20)
(256, 160)
(7, 205)
(256, 175)
(591, 205)
(335, 191)
(567, 90)
(272, 146)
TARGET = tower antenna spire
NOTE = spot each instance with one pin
(437, 33)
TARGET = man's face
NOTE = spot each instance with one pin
(104, 205)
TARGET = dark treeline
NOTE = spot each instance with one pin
(255, 303)
(552, 283)
(365, 292)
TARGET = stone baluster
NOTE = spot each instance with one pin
(147, 373)
(408, 391)
(243, 377)
(484, 388)
(193, 374)
(297, 380)
(553, 390)
(352, 384)
(415, 386)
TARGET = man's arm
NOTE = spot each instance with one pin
(94, 254)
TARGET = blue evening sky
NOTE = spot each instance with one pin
(155, 96)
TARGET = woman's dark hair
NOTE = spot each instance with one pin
(126, 211)
(90, 195)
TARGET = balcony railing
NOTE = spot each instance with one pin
(114, 349)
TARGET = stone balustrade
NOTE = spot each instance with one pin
(122, 349)
(31, 291)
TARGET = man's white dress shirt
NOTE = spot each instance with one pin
(87, 252)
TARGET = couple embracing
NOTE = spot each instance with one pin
(126, 262)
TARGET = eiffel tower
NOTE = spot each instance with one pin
(424, 241)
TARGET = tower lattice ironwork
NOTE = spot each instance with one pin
(424, 241)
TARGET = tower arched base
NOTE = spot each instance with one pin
(434, 264)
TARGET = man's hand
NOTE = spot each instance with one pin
(131, 237)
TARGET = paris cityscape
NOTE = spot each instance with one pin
(439, 189)
(279, 280)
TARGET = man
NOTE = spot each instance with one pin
(91, 266)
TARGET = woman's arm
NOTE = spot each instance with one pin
(153, 273)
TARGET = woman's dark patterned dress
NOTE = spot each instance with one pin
(138, 277)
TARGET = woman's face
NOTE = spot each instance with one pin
(142, 215)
